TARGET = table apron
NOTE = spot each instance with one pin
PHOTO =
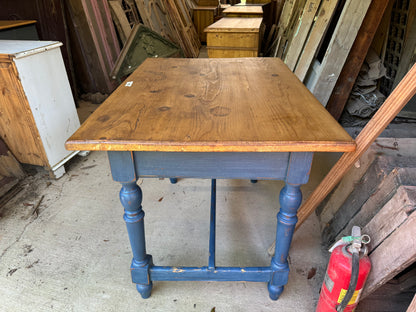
(292, 167)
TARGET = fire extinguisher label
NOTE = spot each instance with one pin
(354, 298)
(329, 283)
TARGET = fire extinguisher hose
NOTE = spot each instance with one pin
(353, 281)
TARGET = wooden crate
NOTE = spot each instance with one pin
(244, 11)
(234, 37)
(203, 17)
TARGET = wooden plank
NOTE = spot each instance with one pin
(120, 20)
(391, 216)
(6, 184)
(13, 23)
(376, 187)
(318, 31)
(155, 16)
(356, 57)
(104, 34)
(404, 147)
(173, 21)
(184, 27)
(96, 43)
(193, 105)
(393, 255)
(390, 108)
(235, 24)
(387, 298)
(9, 166)
(412, 306)
(336, 54)
(301, 33)
(244, 11)
(382, 31)
(387, 190)
(288, 10)
(22, 136)
(406, 57)
(294, 23)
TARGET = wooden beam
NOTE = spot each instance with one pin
(391, 107)
(407, 54)
(391, 216)
(393, 255)
(356, 58)
(120, 20)
(412, 306)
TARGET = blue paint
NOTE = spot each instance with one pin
(173, 180)
(131, 199)
(250, 166)
(292, 167)
(290, 199)
(211, 260)
(122, 166)
(298, 168)
(220, 274)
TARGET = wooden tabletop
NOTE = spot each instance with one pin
(6, 24)
(252, 9)
(211, 105)
(235, 24)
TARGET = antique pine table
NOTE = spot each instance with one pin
(241, 118)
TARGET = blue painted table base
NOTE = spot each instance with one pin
(125, 167)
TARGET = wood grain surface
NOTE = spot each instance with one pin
(236, 24)
(219, 105)
(244, 11)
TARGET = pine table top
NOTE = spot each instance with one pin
(212, 105)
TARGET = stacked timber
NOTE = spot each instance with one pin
(171, 19)
(379, 195)
(315, 37)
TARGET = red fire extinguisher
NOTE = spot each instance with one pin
(347, 271)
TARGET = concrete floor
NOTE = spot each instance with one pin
(75, 254)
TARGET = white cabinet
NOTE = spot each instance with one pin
(37, 110)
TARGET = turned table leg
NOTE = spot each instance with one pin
(131, 199)
(290, 200)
